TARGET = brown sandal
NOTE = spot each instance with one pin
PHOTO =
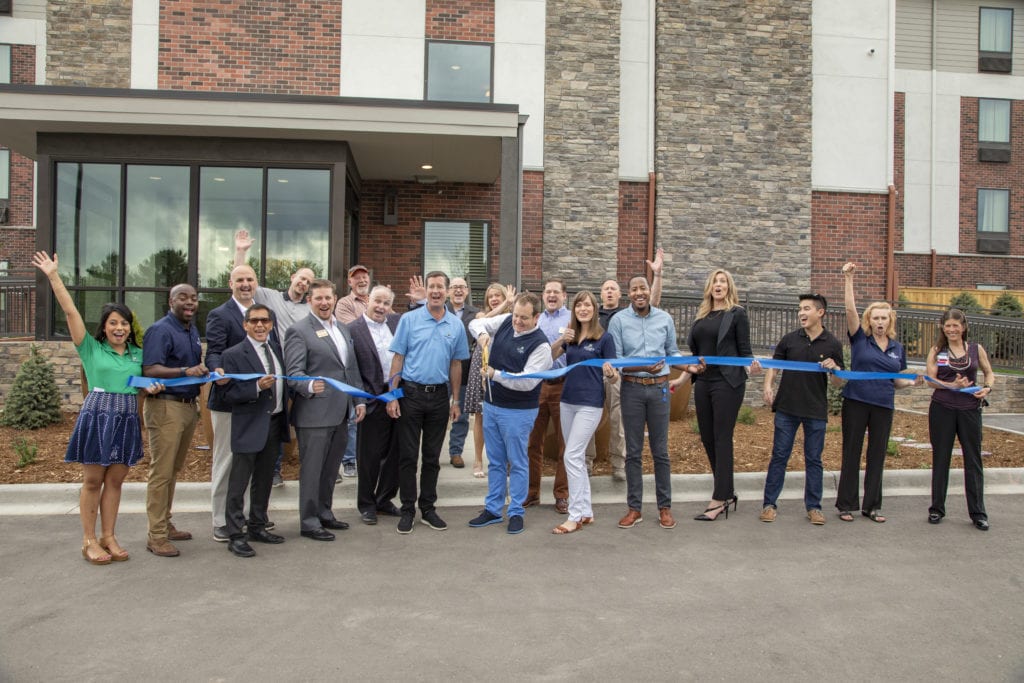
(110, 544)
(561, 529)
(586, 521)
(88, 543)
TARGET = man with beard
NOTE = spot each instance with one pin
(802, 398)
(170, 349)
(377, 459)
(645, 332)
(224, 329)
(429, 345)
(319, 346)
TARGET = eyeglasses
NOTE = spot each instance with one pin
(258, 321)
(460, 286)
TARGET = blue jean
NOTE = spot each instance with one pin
(457, 435)
(350, 451)
(645, 405)
(507, 431)
(782, 447)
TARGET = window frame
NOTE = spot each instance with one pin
(5, 167)
(993, 241)
(426, 67)
(991, 150)
(991, 61)
(7, 78)
(487, 226)
(6, 8)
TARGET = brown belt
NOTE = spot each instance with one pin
(557, 380)
(660, 379)
(174, 397)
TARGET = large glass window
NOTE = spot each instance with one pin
(459, 72)
(459, 248)
(993, 120)
(167, 233)
(995, 31)
(5, 63)
(5, 174)
(993, 211)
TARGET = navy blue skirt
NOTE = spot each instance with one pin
(107, 431)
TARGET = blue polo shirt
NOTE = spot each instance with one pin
(428, 345)
(585, 386)
(865, 356)
(652, 335)
(552, 324)
(168, 342)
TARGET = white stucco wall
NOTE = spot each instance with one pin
(636, 99)
(382, 48)
(519, 27)
(145, 44)
(851, 95)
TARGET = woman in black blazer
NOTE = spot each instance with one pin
(720, 329)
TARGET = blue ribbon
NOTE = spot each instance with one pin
(143, 382)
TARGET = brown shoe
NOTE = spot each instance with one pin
(562, 506)
(665, 518)
(177, 535)
(814, 514)
(531, 501)
(632, 518)
(457, 462)
(768, 514)
(162, 548)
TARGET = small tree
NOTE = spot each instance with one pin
(1008, 305)
(34, 400)
(966, 302)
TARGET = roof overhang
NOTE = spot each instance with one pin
(389, 139)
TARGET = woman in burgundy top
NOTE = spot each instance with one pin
(955, 363)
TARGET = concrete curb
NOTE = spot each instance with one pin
(461, 490)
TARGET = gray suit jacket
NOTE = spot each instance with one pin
(307, 353)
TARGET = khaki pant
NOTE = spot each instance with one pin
(169, 426)
(609, 437)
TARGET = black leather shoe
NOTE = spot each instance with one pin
(334, 524)
(264, 536)
(389, 510)
(368, 517)
(240, 548)
(318, 535)
(981, 524)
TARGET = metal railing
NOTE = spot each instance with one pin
(17, 308)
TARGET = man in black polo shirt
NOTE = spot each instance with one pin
(802, 399)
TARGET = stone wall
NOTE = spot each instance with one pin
(733, 141)
(67, 368)
(88, 43)
(581, 140)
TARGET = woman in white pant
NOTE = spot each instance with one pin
(582, 401)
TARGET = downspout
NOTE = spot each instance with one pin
(652, 101)
(931, 277)
(931, 154)
(890, 248)
(651, 194)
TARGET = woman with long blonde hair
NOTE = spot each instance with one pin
(721, 328)
(868, 405)
(497, 300)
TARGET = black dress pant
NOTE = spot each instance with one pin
(718, 404)
(376, 460)
(859, 417)
(256, 471)
(945, 424)
(424, 415)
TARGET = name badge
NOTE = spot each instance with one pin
(322, 333)
(942, 359)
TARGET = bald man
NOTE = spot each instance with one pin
(224, 329)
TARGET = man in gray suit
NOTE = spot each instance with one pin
(319, 346)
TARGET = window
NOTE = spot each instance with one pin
(994, 130)
(5, 174)
(995, 40)
(993, 221)
(5, 63)
(6, 7)
(459, 72)
(459, 248)
(166, 233)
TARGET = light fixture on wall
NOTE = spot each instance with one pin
(426, 179)
(391, 206)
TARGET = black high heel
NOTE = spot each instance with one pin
(735, 500)
(703, 517)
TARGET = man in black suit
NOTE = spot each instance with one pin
(376, 459)
(259, 424)
(224, 329)
(319, 346)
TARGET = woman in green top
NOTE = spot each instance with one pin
(107, 439)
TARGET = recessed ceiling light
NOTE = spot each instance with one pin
(456, 67)
(155, 177)
(427, 167)
(218, 180)
(282, 180)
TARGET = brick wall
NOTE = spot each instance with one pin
(395, 252)
(976, 174)
(733, 141)
(23, 64)
(263, 46)
(899, 169)
(471, 20)
(67, 368)
(532, 249)
(16, 243)
(848, 226)
(633, 213)
(959, 271)
(88, 43)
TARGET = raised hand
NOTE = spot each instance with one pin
(43, 262)
(417, 291)
(243, 242)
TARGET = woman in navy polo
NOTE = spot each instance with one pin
(868, 404)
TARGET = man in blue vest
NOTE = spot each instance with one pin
(510, 405)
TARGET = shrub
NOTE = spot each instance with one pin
(908, 332)
(966, 302)
(26, 451)
(746, 416)
(1008, 306)
(1005, 344)
(892, 449)
(835, 394)
(34, 400)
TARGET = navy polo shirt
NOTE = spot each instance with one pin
(866, 356)
(168, 342)
(805, 394)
